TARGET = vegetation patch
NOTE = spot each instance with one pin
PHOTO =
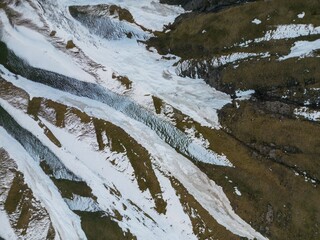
(124, 80)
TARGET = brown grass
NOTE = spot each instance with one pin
(99, 226)
(124, 80)
(231, 26)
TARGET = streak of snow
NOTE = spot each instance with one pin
(223, 60)
(284, 32)
(66, 223)
(289, 31)
(244, 95)
(25, 8)
(218, 61)
(312, 115)
(205, 191)
(302, 49)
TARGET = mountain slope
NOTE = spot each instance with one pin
(138, 120)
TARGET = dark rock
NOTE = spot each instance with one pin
(269, 214)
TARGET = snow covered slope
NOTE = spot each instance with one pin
(80, 125)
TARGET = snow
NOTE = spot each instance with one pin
(301, 15)
(148, 13)
(66, 223)
(205, 191)
(312, 115)
(244, 95)
(223, 60)
(285, 31)
(6, 230)
(289, 31)
(100, 176)
(199, 140)
(33, 47)
(236, 190)
(191, 96)
(145, 69)
(256, 21)
(302, 49)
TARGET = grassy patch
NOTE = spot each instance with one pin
(265, 74)
(99, 226)
(230, 26)
(70, 45)
(69, 188)
(125, 81)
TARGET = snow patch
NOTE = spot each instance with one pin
(236, 191)
(289, 31)
(307, 113)
(244, 95)
(302, 49)
(301, 15)
(256, 21)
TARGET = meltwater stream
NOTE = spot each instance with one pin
(165, 130)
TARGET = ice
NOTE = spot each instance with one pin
(85, 204)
